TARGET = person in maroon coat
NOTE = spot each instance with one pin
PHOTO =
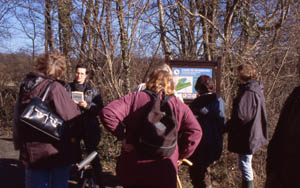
(47, 161)
(133, 170)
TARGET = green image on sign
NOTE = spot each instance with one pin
(182, 84)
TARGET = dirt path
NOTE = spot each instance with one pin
(11, 170)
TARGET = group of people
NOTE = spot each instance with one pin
(48, 162)
(200, 128)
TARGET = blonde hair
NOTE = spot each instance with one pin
(161, 80)
(164, 67)
(247, 72)
(52, 64)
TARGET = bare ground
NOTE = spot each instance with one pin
(12, 171)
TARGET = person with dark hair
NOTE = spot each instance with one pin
(47, 161)
(209, 109)
(283, 151)
(247, 128)
(90, 105)
(134, 168)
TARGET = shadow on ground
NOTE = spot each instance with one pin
(11, 173)
(109, 181)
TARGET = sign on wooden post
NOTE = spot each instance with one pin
(186, 73)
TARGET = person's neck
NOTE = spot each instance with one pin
(79, 83)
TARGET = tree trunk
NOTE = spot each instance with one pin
(166, 48)
(65, 24)
(124, 44)
(48, 26)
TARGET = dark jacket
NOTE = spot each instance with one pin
(91, 96)
(248, 123)
(91, 130)
(210, 112)
(283, 151)
(38, 150)
(132, 168)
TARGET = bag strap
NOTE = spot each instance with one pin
(46, 91)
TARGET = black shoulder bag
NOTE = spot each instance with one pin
(40, 116)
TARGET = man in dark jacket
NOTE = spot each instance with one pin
(283, 151)
(90, 103)
(248, 123)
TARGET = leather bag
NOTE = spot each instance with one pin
(40, 116)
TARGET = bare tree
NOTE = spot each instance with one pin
(165, 44)
(48, 26)
(6, 8)
(65, 29)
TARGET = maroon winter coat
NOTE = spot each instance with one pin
(132, 169)
(38, 150)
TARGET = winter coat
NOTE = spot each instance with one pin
(91, 132)
(38, 150)
(91, 96)
(132, 168)
(248, 123)
(283, 151)
(210, 112)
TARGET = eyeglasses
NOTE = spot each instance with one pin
(80, 74)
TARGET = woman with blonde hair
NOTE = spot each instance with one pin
(248, 124)
(46, 160)
(164, 67)
(133, 168)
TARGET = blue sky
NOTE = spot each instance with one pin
(17, 41)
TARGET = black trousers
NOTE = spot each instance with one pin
(91, 139)
(200, 175)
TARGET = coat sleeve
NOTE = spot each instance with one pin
(96, 104)
(63, 103)
(114, 113)
(190, 133)
(247, 107)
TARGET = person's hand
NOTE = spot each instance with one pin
(179, 162)
(188, 162)
(82, 104)
(127, 147)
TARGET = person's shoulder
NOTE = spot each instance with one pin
(219, 98)
(89, 86)
(140, 87)
(177, 102)
(58, 86)
(297, 89)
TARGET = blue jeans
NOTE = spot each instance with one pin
(245, 165)
(47, 178)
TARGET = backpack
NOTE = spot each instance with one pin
(158, 134)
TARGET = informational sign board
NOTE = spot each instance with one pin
(186, 73)
(186, 78)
